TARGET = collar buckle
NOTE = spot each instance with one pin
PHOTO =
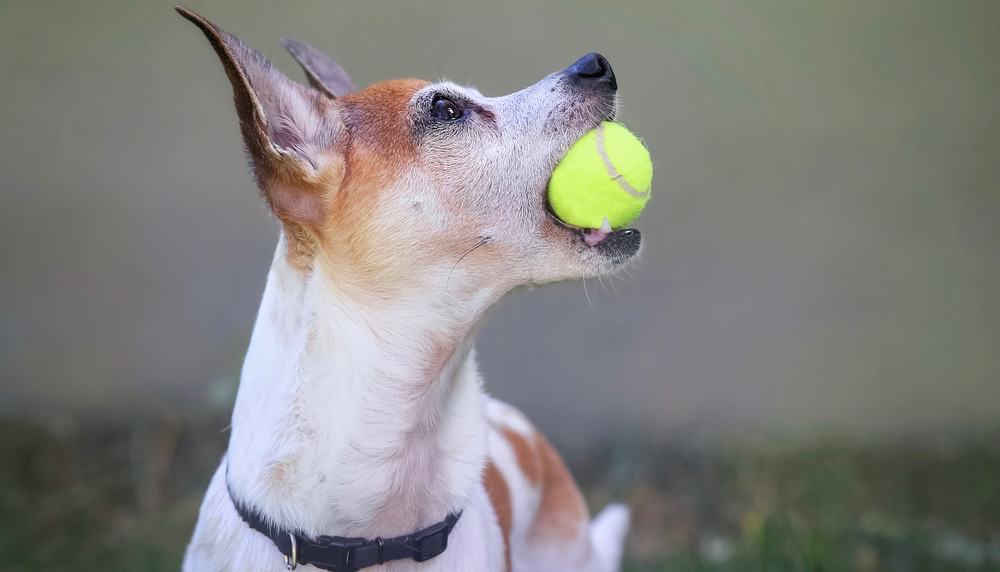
(292, 560)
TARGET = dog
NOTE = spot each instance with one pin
(361, 436)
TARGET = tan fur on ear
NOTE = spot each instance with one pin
(293, 134)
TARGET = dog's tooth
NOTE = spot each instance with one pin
(595, 235)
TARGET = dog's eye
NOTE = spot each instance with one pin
(445, 109)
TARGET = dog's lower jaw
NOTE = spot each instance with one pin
(355, 419)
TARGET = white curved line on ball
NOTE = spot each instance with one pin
(612, 170)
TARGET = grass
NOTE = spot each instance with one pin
(828, 508)
(123, 496)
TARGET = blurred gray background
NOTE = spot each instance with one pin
(823, 248)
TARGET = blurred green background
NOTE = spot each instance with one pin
(802, 374)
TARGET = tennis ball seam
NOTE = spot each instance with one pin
(609, 165)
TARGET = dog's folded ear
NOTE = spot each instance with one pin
(292, 133)
(324, 74)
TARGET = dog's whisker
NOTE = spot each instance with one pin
(586, 293)
(474, 238)
(483, 240)
(600, 280)
(611, 281)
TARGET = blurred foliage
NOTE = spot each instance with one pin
(124, 496)
(110, 497)
(828, 508)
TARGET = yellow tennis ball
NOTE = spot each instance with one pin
(606, 174)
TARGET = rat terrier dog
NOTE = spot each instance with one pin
(361, 434)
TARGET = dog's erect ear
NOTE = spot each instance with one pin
(324, 74)
(291, 132)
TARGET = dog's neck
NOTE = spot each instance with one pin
(357, 418)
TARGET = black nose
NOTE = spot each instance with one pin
(595, 68)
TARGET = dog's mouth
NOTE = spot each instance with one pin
(619, 245)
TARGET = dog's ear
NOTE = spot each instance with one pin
(292, 133)
(324, 74)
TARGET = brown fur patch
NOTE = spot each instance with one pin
(526, 453)
(562, 512)
(380, 149)
(378, 120)
(499, 492)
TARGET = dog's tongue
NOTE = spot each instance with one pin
(593, 236)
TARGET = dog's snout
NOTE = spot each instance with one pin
(593, 68)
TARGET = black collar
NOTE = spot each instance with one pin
(339, 554)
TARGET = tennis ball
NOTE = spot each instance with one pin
(606, 174)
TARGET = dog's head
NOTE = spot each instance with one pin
(409, 183)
